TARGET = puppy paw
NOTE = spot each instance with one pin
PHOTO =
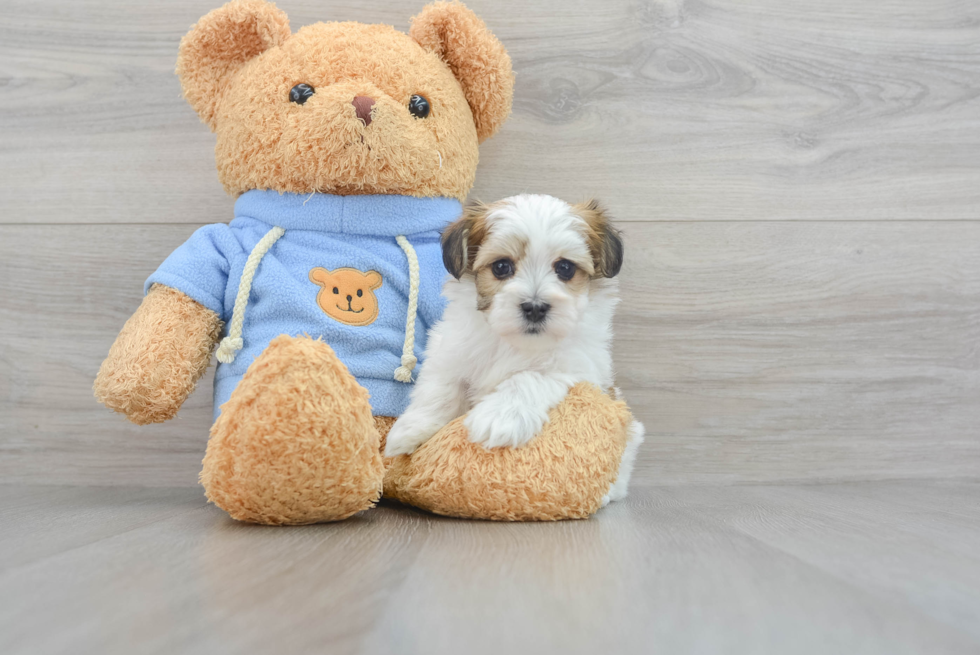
(497, 422)
(407, 434)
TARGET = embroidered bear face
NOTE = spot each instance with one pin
(347, 294)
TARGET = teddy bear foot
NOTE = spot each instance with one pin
(296, 442)
(563, 473)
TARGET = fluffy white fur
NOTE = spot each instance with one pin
(493, 365)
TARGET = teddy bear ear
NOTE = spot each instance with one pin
(220, 43)
(320, 276)
(475, 56)
(373, 279)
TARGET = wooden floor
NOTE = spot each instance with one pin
(881, 567)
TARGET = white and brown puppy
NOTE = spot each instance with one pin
(529, 316)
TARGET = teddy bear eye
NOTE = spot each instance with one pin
(300, 94)
(359, 293)
(418, 106)
(336, 290)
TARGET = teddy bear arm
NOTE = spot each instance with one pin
(160, 354)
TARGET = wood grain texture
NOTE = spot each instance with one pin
(668, 109)
(799, 182)
(805, 521)
(840, 342)
(44, 521)
(824, 351)
(751, 351)
(855, 568)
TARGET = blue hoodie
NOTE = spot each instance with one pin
(324, 235)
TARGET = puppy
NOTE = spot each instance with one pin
(529, 315)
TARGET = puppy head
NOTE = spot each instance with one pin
(534, 261)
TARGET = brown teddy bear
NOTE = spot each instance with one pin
(349, 147)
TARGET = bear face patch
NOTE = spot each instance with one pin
(347, 294)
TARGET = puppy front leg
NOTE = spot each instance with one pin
(436, 400)
(516, 411)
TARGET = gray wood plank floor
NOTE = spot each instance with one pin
(880, 567)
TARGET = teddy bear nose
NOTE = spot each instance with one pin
(362, 106)
(349, 298)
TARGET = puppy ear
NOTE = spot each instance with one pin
(605, 241)
(462, 239)
(475, 56)
(221, 43)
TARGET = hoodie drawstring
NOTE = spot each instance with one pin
(234, 342)
(404, 372)
(231, 344)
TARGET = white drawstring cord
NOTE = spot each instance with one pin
(231, 344)
(404, 372)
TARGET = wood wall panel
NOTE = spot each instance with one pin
(752, 352)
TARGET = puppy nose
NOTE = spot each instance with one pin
(362, 106)
(534, 312)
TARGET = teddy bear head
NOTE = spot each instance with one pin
(346, 108)
(347, 294)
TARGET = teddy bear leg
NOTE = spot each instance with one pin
(384, 423)
(296, 442)
(565, 472)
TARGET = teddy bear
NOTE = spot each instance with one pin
(349, 147)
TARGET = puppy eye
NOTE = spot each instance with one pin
(359, 293)
(502, 268)
(301, 93)
(418, 107)
(565, 269)
(336, 290)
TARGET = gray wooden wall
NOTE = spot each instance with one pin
(798, 180)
